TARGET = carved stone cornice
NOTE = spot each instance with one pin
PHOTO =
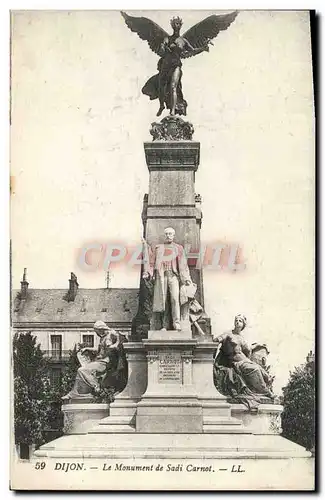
(172, 155)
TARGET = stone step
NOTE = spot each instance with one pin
(112, 429)
(187, 446)
(114, 424)
(221, 421)
(116, 420)
(224, 429)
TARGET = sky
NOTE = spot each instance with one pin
(78, 123)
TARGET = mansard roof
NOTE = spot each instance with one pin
(112, 305)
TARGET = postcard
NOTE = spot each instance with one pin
(162, 250)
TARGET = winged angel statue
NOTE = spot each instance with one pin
(167, 84)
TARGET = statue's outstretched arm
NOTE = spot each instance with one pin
(192, 51)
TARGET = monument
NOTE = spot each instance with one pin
(181, 400)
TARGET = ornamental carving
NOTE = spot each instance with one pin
(172, 128)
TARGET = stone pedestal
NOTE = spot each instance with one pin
(266, 420)
(79, 418)
(216, 410)
(170, 403)
(170, 389)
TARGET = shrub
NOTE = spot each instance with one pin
(298, 418)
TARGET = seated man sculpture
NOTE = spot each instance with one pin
(103, 371)
(239, 374)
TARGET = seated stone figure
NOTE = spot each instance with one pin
(103, 372)
(237, 373)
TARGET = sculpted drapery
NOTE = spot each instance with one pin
(103, 372)
(236, 374)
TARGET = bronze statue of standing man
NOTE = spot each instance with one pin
(168, 268)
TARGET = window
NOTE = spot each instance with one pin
(55, 377)
(88, 340)
(56, 346)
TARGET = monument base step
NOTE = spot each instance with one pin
(224, 429)
(223, 425)
(127, 425)
(185, 446)
(113, 424)
(176, 462)
(221, 421)
(113, 428)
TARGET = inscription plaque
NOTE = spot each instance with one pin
(170, 368)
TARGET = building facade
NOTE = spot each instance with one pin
(62, 318)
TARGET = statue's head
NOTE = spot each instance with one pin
(101, 329)
(169, 234)
(176, 23)
(240, 322)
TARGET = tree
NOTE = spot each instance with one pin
(32, 393)
(298, 418)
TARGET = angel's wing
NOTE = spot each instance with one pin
(201, 33)
(147, 30)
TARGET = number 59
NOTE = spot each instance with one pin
(40, 465)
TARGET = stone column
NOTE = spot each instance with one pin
(171, 199)
(123, 409)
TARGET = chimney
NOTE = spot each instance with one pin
(24, 286)
(73, 287)
(108, 279)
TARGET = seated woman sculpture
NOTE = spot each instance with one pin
(236, 374)
(103, 371)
